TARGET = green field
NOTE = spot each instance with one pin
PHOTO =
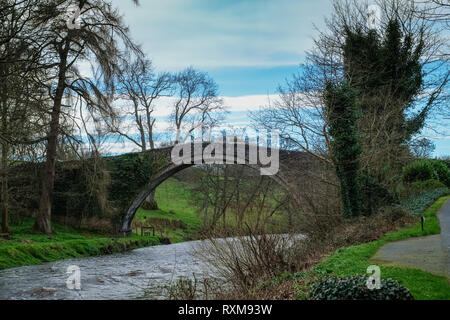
(174, 196)
(174, 200)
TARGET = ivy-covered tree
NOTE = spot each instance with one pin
(342, 112)
(386, 71)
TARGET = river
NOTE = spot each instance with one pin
(138, 274)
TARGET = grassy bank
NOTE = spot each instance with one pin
(27, 248)
(173, 198)
(355, 260)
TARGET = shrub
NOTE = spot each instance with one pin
(427, 169)
(374, 195)
(246, 261)
(442, 171)
(355, 288)
(192, 289)
(419, 170)
(418, 203)
(446, 162)
(427, 185)
(393, 213)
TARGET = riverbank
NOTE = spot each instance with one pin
(177, 220)
(27, 248)
(355, 260)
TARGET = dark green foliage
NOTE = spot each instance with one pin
(427, 169)
(446, 162)
(427, 185)
(418, 203)
(355, 288)
(390, 64)
(374, 195)
(342, 111)
(129, 174)
(71, 196)
(24, 186)
(442, 171)
(386, 71)
(100, 188)
(419, 170)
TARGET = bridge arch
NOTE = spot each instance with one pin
(191, 159)
(111, 189)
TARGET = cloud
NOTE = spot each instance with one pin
(232, 104)
(434, 138)
(213, 33)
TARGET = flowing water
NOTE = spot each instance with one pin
(138, 274)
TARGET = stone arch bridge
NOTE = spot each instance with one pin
(111, 189)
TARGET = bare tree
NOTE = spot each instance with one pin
(17, 35)
(438, 13)
(22, 99)
(299, 112)
(223, 193)
(98, 40)
(196, 103)
(141, 87)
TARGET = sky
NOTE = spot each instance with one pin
(248, 47)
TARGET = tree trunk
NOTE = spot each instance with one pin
(150, 135)
(150, 202)
(5, 196)
(177, 138)
(139, 125)
(4, 161)
(43, 220)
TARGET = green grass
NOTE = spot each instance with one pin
(28, 248)
(173, 195)
(355, 260)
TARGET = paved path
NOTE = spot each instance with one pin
(429, 253)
